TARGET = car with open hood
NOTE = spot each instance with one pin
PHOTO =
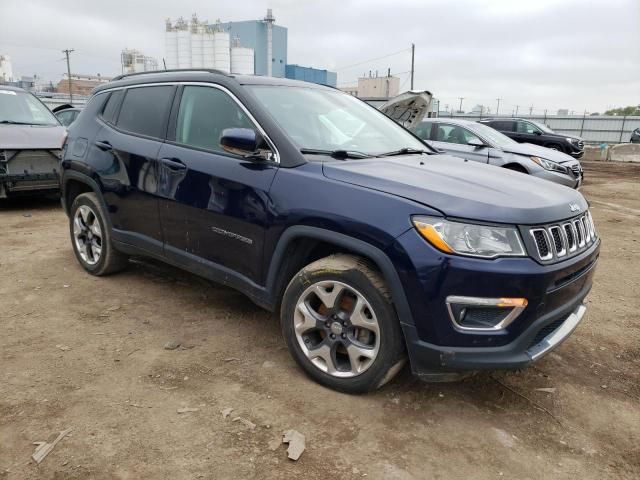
(31, 141)
(373, 248)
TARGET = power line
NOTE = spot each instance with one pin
(371, 60)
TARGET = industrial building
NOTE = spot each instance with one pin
(6, 72)
(80, 84)
(314, 75)
(134, 61)
(251, 47)
(375, 87)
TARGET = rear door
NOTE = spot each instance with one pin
(214, 206)
(453, 139)
(134, 125)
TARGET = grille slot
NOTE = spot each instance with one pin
(542, 243)
(545, 331)
(571, 238)
(566, 239)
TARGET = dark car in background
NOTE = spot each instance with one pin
(371, 246)
(31, 141)
(635, 136)
(66, 114)
(528, 131)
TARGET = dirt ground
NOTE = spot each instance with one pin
(87, 353)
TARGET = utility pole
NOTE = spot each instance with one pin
(413, 57)
(498, 106)
(531, 110)
(67, 52)
(517, 107)
(461, 99)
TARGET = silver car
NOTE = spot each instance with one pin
(31, 139)
(478, 142)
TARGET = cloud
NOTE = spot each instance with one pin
(574, 54)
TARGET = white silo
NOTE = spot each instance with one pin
(184, 44)
(222, 47)
(242, 61)
(197, 39)
(208, 55)
(170, 46)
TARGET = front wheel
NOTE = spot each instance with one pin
(340, 325)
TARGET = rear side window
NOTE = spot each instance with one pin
(110, 110)
(145, 109)
(424, 131)
(502, 126)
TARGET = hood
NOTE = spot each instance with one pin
(459, 188)
(530, 149)
(31, 137)
(409, 108)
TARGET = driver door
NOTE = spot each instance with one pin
(528, 133)
(214, 206)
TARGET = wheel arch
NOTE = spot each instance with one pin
(76, 183)
(515, 166)
(300, 245)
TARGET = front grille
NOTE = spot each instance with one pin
(581, 145)
(555, 242)
(577, 170)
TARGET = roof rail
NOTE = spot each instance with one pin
(207, 70)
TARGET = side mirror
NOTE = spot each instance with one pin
(476, 143)
(245, 142)
(538, 132)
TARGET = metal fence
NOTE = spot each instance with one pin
(593, 129)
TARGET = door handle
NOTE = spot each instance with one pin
(174, 163)
(104, 145)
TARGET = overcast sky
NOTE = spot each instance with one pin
(575, 54)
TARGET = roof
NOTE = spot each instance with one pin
(12, 88)
(200, 75)
(454, 121)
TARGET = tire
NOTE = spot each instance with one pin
(365, 354)
(92, 246)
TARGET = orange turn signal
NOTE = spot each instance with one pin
(433, 237)
(513, 302)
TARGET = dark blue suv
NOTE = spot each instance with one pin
(372, 247)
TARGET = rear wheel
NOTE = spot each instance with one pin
(91, 239)
(340, 325)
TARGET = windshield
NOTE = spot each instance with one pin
(330, 120)
(541, 126)
(24, 108)
(493, 136)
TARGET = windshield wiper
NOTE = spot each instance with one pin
(339, 154)
(13, 122)
(405, 151)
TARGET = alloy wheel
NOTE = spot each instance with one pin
(337, 329)
(87, 235)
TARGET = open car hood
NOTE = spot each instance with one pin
(409, 108)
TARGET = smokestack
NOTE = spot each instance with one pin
(269, 19)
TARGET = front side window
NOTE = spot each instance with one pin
(526, 127)
(320, 119)
(204, 114)
(455, 134)
(145, 109)
(24, 109)
(423, 130)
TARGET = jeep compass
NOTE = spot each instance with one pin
(373, 248)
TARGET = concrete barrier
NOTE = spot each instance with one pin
(594, 153)
(624, 152)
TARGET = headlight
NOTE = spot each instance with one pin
(549, 165)
(469, 239)
(572, 140)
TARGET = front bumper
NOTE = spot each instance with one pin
(432, 362)
(437, 350)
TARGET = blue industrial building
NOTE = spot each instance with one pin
(253, 34)
(308, 74)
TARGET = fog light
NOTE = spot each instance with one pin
(483, 315)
